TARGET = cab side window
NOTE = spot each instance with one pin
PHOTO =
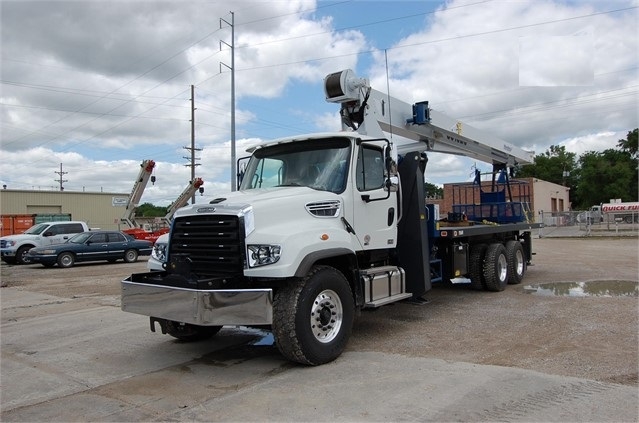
(98, 238)
(69, 228)
(53, 230)
(370, 168)
(115, 237)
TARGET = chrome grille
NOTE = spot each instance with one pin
(213, 245)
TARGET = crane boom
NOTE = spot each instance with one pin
(146, 168)
(183, 198)
(374, 113)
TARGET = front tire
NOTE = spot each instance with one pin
(130, 256)
(313, 317)
(21, 255)
(66, 260)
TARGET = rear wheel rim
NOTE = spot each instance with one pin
(502, 268)
(519, 262)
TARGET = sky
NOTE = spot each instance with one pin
(99, 86)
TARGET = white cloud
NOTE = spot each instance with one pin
(466, 62)
(113, 87)
(556, 60)
(593, 142)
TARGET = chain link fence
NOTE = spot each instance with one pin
(587, 223)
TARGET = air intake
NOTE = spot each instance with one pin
(329, 208)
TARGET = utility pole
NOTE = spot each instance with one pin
(232, 68)
(61, 180)
(192, 148)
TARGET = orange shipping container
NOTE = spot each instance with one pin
(16, 223)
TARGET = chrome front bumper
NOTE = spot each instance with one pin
(216, 307)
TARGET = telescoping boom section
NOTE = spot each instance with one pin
(414, 127)
(183, 198)
(145, 174)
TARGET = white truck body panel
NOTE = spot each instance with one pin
(620, 208)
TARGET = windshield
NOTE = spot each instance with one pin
(80, 238)
(319, 164)
(37, 229)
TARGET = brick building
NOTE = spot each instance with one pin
(542, 196)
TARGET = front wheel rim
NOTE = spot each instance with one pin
(326, 316)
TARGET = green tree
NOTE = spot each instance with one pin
(629, 145)
(149, 210)
(555, 165)
(604, 175)
(432, 190)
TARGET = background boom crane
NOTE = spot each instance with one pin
(146, 168)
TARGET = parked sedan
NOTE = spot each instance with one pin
(91, 246)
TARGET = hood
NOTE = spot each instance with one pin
(19, 237)
(265, 202)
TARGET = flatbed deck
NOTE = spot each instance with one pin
(462, 231)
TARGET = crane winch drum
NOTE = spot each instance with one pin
(343, 86)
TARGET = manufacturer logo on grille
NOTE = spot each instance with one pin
(206, 209)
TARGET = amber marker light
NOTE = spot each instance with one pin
(324, 237)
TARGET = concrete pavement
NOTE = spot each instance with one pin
(96, 363)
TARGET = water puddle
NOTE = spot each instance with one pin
(586, 289)
(263, 337)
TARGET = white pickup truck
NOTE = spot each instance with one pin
(14, 248)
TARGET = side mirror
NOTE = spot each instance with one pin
(392, 184)
(242, 162)
(47, 233)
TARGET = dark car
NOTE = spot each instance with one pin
(91, 246)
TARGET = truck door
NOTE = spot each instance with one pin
(54, 235)
(375, 211)
(117, 244)
(97, 248)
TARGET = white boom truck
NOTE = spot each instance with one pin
(327, 224)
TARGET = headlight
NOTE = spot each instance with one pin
(261, 255)
(10, 243)
(159, 252)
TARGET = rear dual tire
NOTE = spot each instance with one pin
(495, 268)
(516, 262)
(492, 267)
